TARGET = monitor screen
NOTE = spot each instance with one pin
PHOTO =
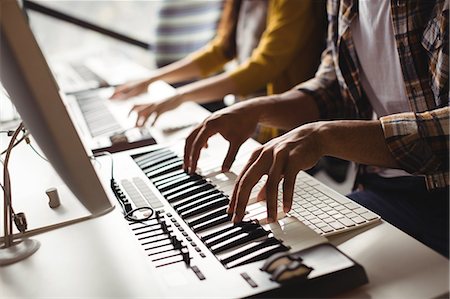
(26, 76)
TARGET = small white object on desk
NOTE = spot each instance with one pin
(53, 197)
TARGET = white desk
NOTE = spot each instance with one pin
(85, 259)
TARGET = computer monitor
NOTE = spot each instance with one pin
(26, 76)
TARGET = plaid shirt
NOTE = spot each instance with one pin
(419, 140)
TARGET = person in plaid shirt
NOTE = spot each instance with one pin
(379, 98)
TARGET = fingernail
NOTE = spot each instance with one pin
(286, 209)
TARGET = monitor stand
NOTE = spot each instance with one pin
(18, 251)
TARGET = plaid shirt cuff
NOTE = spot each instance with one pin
(419, 142)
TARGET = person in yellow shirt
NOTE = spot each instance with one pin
(277, 44)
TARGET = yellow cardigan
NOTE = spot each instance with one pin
(288, 52)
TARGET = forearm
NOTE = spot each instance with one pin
(359, 141)
(182, 70)
(285, 111)
(207, 90)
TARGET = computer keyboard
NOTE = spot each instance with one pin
(324, 210)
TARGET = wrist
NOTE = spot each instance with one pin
(180, 96)
(324, 137)
(265, 106)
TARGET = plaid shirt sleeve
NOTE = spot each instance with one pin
(332, 101)
(420, 143)
(324, 87)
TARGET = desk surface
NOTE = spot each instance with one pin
(85, 259)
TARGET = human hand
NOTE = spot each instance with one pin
(130, 89)
(280, 158)
(236, 124)
(144, 111)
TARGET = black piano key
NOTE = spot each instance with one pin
(161, 165)
(188, 192)
(156, 161)
(265, 254)
(219, 232)
(151, 155)
(169, 186)
(160, 178)
(201, 200)
(182, 186)
(246, 226)
(162, 183)
(207, 217)
(144, 158)
(174, 183)
(195, 197)
(231, 233)
(224, 218)
(247, 252)
(247, 237)
(164, 170)
(208, 206)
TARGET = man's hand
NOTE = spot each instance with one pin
(236, 124)
(280, 158)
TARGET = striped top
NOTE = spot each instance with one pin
(184, 26)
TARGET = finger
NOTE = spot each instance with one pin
(253, 157)
(202, 137)
(248, 181)
(155, 118)
(126, 93)
(143, 115)
(135, 108)
(288, 189)
(273, 180)
(231, 155)
(188, 146)
(119, 91)
(261, 194)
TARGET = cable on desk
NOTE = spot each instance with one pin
(129, 216)
(126, 206)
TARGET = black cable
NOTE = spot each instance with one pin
(129, 216)
(126, 206)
